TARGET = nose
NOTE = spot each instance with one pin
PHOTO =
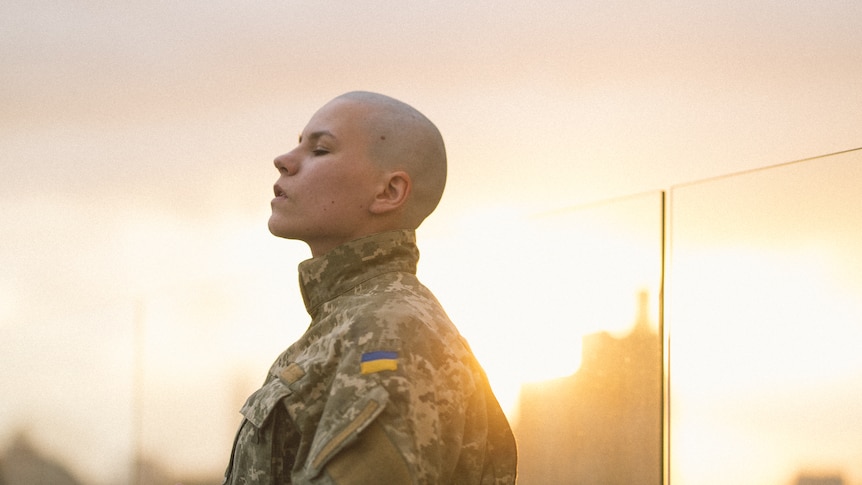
(286, 164)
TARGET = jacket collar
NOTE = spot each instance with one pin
(340, 270)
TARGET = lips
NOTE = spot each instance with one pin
(279, 194)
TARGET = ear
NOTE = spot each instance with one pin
(393, 193)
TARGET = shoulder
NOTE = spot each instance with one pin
(400, 307)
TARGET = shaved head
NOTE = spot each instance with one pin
(401, 138)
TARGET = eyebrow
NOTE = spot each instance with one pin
(317, 134)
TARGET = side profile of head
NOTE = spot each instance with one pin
(365, 163)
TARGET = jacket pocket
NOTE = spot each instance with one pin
(259, 405)
(252, 451)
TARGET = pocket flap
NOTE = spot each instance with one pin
(259, 405)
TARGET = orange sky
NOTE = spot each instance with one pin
(138, 137)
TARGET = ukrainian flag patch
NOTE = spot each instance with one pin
(372, 362)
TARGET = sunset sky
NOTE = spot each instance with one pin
(137, 144)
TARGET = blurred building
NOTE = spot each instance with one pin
(22, 463)
(601, 425)
(806, 479)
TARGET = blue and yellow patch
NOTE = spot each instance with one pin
(381, 360)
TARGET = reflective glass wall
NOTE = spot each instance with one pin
(764, 316)
(598, 274)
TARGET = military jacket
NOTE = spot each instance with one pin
(381, 389)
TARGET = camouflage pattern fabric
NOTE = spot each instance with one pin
(381, 389)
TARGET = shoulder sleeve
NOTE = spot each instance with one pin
(394, 413)
(350, 444)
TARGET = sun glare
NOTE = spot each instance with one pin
(525, 292)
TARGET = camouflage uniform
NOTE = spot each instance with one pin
(381, 389)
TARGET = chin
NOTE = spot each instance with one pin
(275, 228)
(280, 229)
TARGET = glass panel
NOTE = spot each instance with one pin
(765, 324)
(563, 312)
